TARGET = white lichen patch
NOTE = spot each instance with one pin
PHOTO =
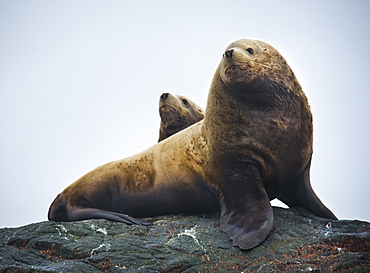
(62, 231)
(102, 230)
(60, 228)
(99, 229)
(328, 225)
(120, 266)
(189, 232)
(192, 233)
(102, 247)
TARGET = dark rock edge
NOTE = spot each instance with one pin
(299, 241)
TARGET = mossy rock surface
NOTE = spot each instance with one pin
(299, 241)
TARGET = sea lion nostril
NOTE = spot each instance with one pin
(229, 53)
(164, 96)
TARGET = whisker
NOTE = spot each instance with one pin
(260, 64)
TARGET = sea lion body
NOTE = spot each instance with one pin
(274, 119)
(177, 113)
(154, 182)
(254, 144)
(136, 189)
(259, 128)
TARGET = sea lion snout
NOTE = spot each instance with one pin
(164, 96)
(229, 53)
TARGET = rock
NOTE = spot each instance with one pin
(299, 241)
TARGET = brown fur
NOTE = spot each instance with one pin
(177, 113)
(259, 128)
(255, 144)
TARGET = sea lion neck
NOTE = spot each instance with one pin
(234, 104)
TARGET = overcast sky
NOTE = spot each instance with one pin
(80, 83)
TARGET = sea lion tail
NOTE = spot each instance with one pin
(58, 210)
(78, 213)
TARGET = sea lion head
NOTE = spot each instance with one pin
(255, 66)
(177, 112)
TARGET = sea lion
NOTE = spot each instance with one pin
(259, 132)
(254, 145)
(177, 112)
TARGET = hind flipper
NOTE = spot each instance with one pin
(301, 194)
(78, 213)
(246, 213)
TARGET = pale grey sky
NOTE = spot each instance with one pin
(80, 83)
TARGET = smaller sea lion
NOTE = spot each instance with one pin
(177, 112)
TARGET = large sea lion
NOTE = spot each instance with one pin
(254, 145)
(177, 113)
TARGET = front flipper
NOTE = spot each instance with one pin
(78, 213)
(246, 213)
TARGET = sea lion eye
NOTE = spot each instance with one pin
(250, 50)
(184, 101)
